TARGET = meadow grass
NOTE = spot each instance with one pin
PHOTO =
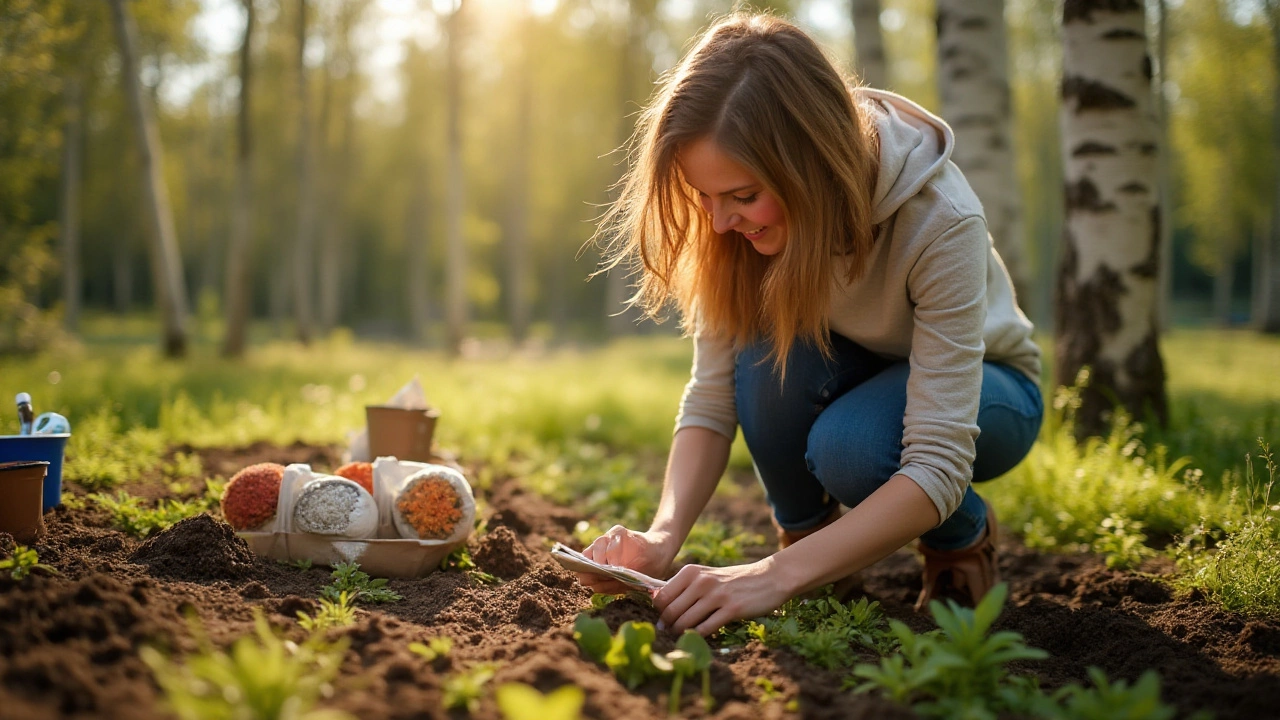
(590, 427)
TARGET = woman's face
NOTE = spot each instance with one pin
(735, 199)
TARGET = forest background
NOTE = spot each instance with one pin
(352, 186)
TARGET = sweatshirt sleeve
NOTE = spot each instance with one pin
(709, 395)
(947, 285)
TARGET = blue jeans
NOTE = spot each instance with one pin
(832, 433)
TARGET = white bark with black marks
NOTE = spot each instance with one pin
(1107, 282)
(973, 79)
(166, 262)
(868, 44)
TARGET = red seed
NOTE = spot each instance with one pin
(360, 473)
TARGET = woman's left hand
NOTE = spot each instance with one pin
(706, 599)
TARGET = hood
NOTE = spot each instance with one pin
(915, 144)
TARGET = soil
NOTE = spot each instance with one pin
(69, 644)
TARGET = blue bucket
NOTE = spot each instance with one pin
(48, 448)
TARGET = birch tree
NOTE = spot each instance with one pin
(868, 44)
(973, 84)
(1106, 305)
(517, 235)
(304, 243)
(236, 293)
(166, 263)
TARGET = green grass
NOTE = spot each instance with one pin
(590, 427)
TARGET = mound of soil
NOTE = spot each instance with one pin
(69, 644)
(198, 549)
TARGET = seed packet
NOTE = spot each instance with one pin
(575, 561)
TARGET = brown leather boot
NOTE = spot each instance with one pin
(843, 587)
(787, 538)
(963, 575)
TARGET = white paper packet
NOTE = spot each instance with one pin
(575, 561)
(391, 475)
(410, 396)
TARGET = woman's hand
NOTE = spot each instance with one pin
(706, 599)
(648, 552)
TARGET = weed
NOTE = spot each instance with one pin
(333, 613)
(433, 649)
(463, 689)
(130, 513)
(460, 559)
(600, 601)
(349, 578)
(261, 676)
(23, 561)
(518, 701)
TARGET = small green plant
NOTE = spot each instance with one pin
(260, 676)
(1107, 700)
(824, 631)
(303, 564)
(463, 689)
(691, 656)
(460, 559)
(518, 701)
(333, 613)
(23, 561)
(600, 601)
(349, 578)
(768, 693)
(131, 514)
(593, 636)
(629, 653)
(436, 647)
(713, 543)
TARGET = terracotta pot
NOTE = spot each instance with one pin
(21, 493)
(403, 434)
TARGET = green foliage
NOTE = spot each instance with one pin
(959, 671)
(132, 514)
(630, 655)
(460, 559)
(691, 656)
(102, 455)
(518, 701)
(1242, 574)
(333, 613)
(23, 561)
(711, 542)
(260, 676)
(433, 649)
(824, 631)
(348, 578)
(463, 689)
(1103, 496)
(593, 636)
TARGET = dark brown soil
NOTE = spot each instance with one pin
(69, 644)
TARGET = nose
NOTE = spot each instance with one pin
(722, 219)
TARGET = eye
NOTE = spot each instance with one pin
(746, 200)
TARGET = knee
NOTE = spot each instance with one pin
(852, 459)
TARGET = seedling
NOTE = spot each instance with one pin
(261, 676)
(333, 613)
(349, 578)
(23, 561)
(691, 656)
(129, 513)
(463, 689)
(518, 701)
(630, 656)
(593, 636)
(460, 559)
(823, 631)
(436, 647)
(768, 692)
(1116, 700)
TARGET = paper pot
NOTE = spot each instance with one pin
(396, 432)
(21, 493)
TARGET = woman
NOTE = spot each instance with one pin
(848, 312)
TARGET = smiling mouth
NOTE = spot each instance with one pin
(754, 234)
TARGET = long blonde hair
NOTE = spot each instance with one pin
(771, 100)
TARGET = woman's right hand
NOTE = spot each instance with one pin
(648, 552)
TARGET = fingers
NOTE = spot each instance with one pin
(718, 619)
(674, 587)
(608, 547)
(601, 584)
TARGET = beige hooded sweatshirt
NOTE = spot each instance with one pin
(934, 293)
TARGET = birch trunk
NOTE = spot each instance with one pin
(166, 263)
(868, 44)
(333, 236)
(973, 79)
(236, 292)
(456, 275)
(304, 244)
(1107, 281)
(69, 212)
(518, 194)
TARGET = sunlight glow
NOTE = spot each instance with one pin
(445, 7)
(542, 8)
